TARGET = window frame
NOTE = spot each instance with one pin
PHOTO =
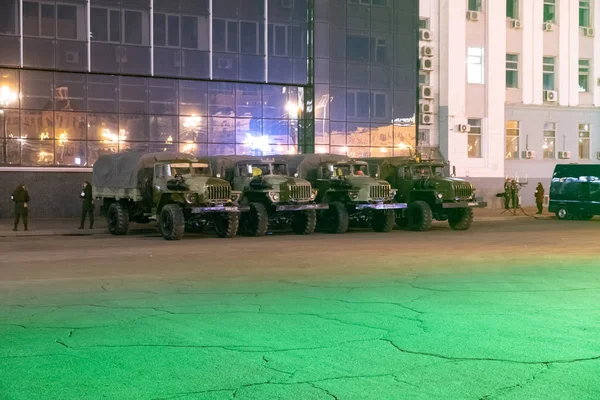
(549, 73)
(582, 139)
(584, 71)
(549, 6)
(549, 133)
(512, 69)
(515, 6)
(476, 123)
(475, 5)
(516, 128)
(588, 23)
(480, 65)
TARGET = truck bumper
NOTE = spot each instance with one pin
(301, 207)
(219, 209)
(382, 206)
(465, 204)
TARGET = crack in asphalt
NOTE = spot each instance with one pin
(510, 388)
(505, 360)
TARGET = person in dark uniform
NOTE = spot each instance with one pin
(507, 195)
(539, 197)
(21, 197)
(87, 205)
(514, 194)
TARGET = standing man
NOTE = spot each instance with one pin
(514, 194)
(21, 197)
(507, 193)
(539, 197)
(87, 205)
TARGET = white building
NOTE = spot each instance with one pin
(513, 87)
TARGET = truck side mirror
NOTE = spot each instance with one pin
(453, 171)
(249, 170)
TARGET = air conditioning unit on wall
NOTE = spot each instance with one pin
(426, 92)
(426, 108)
(588, 32)
(528, 154)
(426, 119)
(550, 96)
(427, 51)
(516, 24)
(598, 155)
(463, 128)
(426, 35)
(426, 64)
(548, 26)
(473, 15)
(564, 155)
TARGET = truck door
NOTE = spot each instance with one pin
(242, 177)
(404, 183)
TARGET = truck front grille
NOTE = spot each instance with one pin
(300, 192)
(462, 190)
(380, 192)
(219, 192)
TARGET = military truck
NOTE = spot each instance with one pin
(429, 192)
(275, 199)
(352, 194)
(174, 189)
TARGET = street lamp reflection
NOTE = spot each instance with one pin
(7, 97)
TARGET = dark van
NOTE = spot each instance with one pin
(575, 191)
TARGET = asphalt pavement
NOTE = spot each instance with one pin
(506, 310)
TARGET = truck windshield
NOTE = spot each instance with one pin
(189, 169)
(269, 169)
(350, 169)
(427, 171)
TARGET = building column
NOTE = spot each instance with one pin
(533, 51)
(493, 132)
(453, 56)
(568, 53)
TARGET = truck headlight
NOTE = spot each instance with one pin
(274, 196)
(235, 196)
(354, 195)
(191, 198)
(313, 194)
(393, 192)
(440, 196)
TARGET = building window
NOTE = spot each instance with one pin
(357, 47)
(512, 140)
(584, 75)
(357, 103)
(63, 21)
(475, 5)
(105, 25)
(278, 42)
(475, 69)
(225, 36)
(549, 140)
(512, 70)
(584, 141)
(584, 13)
(474, 138)
(512, 9)
(549, 63)
(550, 11)
(424, 23)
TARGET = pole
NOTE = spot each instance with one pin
(4, 140)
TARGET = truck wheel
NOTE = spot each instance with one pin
(461, 219)
(336, 218)
(256, 221)
(304, 222)
(227, 225)
(117, 219)
(172, 222)
(419, 216)
(402, 222)
(563, 213)
(383, 221)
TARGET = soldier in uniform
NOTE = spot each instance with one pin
(539, 197)
(21, 197)
(507, 195)
(514, 194)
(87, 205)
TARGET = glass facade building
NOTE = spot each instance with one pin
(82, 78)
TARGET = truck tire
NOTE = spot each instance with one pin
(172, 222)
(461, 219)
(227, 225)
(563, 213)
(336, 218)
(383, 220)
(419, 216)
(256, 221)
(117, 219)
(304, 222)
